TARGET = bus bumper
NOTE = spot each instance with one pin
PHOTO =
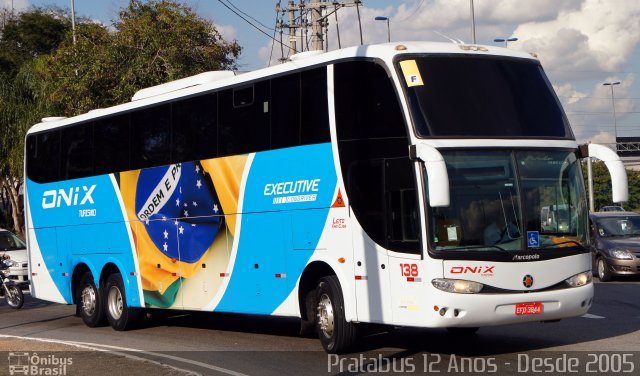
(475, 310)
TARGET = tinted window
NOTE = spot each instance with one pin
(244, 129)
(314, 107)
(466, 96)
(195, 131)
(43, 156)
(111, 145)
(285, 111)
(77, 155)
(151, 136)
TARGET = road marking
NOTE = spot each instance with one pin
(590, 316)
(109, 348)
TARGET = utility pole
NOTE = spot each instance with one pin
(73, 21)
(292, 27)
(316, 22)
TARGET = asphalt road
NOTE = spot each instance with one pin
(207, 343)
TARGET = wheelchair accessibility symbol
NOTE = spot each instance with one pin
(533, 239)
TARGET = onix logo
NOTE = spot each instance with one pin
(54, 199)
(472, 269)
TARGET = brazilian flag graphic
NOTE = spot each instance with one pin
(176, 214)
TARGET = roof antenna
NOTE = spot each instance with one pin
(449, 39)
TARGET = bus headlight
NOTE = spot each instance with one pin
(457, 285)
(581, 279)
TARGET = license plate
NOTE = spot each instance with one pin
(534, 308)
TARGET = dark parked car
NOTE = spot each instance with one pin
(616, 244)
(612, 209)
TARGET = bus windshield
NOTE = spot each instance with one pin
(511, 201)
(481, 97)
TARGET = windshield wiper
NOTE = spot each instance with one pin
(500, 249)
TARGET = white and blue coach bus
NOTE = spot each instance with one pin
(398, 184)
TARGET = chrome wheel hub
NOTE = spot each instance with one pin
(115, 302)
(89, 300)
(325, 315)
(600, 269)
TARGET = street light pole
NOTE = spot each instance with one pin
(473, 24)
(613, 104)
(73, 21)
(384, 18)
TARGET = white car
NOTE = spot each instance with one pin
(17, 250)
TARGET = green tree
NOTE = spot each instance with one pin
(153, 42)
(602, 186)
(23, 38)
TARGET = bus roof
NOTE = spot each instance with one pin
(215, 80)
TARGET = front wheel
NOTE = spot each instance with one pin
(14, 296)
(336, 334)
(119, 314)
(604, 274)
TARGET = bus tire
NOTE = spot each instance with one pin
(335, 333)
(89, 302)
(119, 314)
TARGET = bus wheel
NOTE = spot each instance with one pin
(89, 301)
(119, 314)
(336, 334)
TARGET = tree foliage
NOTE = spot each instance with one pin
(153, 42)
(42, 72)
(602, 186)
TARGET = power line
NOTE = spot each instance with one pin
(412, 13)
(248, 15)
(250, 23)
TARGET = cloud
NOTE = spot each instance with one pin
(229, 33)
(18, 5)
(591, 113)
(601, 35)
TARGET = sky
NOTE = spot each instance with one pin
(580, 43)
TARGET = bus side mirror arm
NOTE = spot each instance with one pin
(619, 183)
(436, 173)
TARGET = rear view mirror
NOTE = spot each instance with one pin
(619, 184)
(436, 173)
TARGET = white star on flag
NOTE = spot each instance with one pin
(215, 208)
(199, 184)
(194, 204)
(181, 230)
(165, 247)
(166, 234)
(186, 213)
(177, 202)
(197, 168)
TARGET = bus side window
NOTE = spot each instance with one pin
(244, 125)
(44, 157)
(111, 144)
(195, 128)
(314, 125)
(151, 134)
(285, 111)
(77, 143)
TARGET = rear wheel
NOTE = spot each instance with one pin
(336, 334)
(119, 314)
(89, 301)
(14, 297)
(604, 274)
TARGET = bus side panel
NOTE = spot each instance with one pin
(293, 189)
(74, 218)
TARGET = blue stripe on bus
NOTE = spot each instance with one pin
(286, 203)
(77, 218)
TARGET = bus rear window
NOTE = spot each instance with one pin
(482, 97)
